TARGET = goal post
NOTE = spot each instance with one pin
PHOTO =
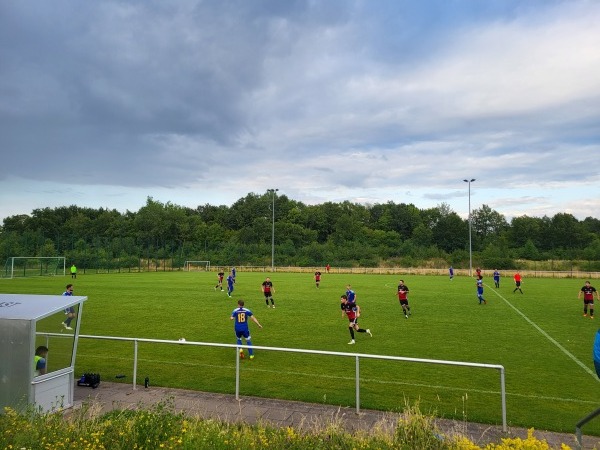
(34, 266)
(197, 266)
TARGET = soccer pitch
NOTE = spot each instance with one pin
(540, 337)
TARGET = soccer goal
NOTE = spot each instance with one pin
(197, 266)
(34, 266)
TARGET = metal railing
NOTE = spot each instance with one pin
(581, 423)
(356, 356)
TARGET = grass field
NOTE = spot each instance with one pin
(540, 338)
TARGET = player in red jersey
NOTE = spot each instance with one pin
(352, 311)
(219, 284)
(403, 298)
(518, 280)
(588, 292)
(317, 278)
(268, 289)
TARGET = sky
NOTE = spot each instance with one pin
(194, 102)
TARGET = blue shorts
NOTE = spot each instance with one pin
(242, 334)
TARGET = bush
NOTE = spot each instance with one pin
(160, 427)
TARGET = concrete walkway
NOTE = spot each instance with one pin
(109, 396)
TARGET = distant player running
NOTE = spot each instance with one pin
(480, 291)
(70, 311)
(230, 283)
(403, 298)
(219, 284)
(268, 290)
(352, 311)
(588, 292)
(350, 294)
(317, 278)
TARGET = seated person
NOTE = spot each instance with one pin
(39, 361)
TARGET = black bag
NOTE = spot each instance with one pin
(89, 379)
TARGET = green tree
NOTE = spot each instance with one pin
(422, 235)
(566, 232)
(487, 224)
(529, 251)
(525, 228)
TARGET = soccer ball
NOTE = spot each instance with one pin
(181, 339)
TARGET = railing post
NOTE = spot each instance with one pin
(357, 385)
(237, 373)
(135, 358)
(581, 423)
(503, 396)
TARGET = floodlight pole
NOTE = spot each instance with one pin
(470, 242)
(273, 191)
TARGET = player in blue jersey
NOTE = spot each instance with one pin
(451, 273)
(496, 278)
(70, 311)
(480, 290)
(350, 294)
(233, 273)
(230, 283)
(241, 315)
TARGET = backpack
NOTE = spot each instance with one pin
(89, 379)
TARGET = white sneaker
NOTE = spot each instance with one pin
(351, 342)
(66, 327)
(273, 306)
(369, 332)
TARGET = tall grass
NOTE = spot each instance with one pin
(160, 427)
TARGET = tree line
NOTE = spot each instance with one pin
(342, 234)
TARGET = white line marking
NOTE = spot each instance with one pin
(547, 336)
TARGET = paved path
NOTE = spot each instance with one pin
(251, 410)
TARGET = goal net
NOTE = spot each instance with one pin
(34, 266)
(197, 266)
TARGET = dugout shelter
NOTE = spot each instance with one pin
(27, 322)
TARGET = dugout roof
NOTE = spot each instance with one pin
(34, 307)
